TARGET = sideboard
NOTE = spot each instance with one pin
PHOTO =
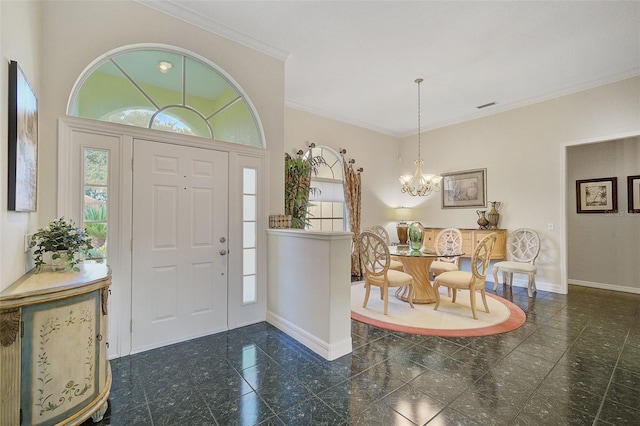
(470, 239)
(53, 335)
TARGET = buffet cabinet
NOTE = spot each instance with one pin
(470, 240)
(53, 335)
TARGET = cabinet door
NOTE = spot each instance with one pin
(60, 349)
(499, 248)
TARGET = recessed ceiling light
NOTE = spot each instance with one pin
(165, 66)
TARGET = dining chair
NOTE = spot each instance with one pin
(375, 258)
(448, 242)
(523, 247)
(472, 281)
(382, 233)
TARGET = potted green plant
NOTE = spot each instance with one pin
(297, 184)
(64, 241)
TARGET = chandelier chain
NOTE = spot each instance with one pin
(419, 80)
(420, 184)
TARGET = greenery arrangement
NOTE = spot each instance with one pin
(95, 218)
(297, 187)
(63, 239)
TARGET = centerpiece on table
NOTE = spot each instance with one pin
(64, 241)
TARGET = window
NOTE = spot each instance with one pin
(249, 235)
(169, 91)
(327, 209)
(96, 196)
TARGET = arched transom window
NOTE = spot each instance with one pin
(327, 212)
(169, 91)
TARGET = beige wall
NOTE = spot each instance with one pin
(523, 149)
(375, 152)
(523, 152)
(69, 37)
(604, 249)
(20, 40)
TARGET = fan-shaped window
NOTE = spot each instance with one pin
(169, 91)
(327, 210)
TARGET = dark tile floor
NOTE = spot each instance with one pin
(576, 361)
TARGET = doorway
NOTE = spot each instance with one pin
(179, 263)
(234, 201)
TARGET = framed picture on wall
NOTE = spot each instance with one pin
(23, 142)
(464, 189)
(633, 193)
(597, 195)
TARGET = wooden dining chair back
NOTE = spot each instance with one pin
(375, 258)
(382, 233)
(448, 242)
(523, 247)
(472, 281)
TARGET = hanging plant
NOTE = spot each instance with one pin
(297, 187)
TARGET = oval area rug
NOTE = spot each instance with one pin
(450, 320)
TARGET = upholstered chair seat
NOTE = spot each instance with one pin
(473, 281)
(375, 258)
(448, 242)
(523, 246)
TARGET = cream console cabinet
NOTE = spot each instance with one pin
(53, 331)
(470, 240)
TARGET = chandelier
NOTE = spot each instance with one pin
(420, 184)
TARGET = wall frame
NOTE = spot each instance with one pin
(633, 193)
(597, 195)
(464, 189)
(22, 142)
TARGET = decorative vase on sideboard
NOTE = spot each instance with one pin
(482, 219)
(493, 215)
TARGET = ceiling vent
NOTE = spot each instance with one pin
(486, 105)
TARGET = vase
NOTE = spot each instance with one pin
(415, 236)
(482, 219)
(493, 215)
(60, 261)
(402, 229)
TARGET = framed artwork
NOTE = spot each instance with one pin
(23, 142)
(464, 189)
(597, 195)
(633, 193)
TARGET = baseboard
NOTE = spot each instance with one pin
(520, 280)
(319, 346)
(604, 286)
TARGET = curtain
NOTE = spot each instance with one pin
(352, 197)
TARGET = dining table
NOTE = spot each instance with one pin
(417, 263)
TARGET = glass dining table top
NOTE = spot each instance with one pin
(405, 251)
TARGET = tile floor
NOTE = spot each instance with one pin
(576, 361)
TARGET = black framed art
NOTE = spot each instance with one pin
(633, 193)
(597, 195)
(23, 142)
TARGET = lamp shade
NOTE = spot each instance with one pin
(402, 214)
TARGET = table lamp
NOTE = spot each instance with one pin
(402, 214)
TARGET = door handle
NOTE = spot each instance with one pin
(223, 252)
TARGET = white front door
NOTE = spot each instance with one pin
(179, 262)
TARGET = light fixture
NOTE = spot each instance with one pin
(420, 184)
(165, 66)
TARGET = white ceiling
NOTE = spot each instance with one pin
(356, 61)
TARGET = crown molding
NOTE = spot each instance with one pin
(179, 11)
